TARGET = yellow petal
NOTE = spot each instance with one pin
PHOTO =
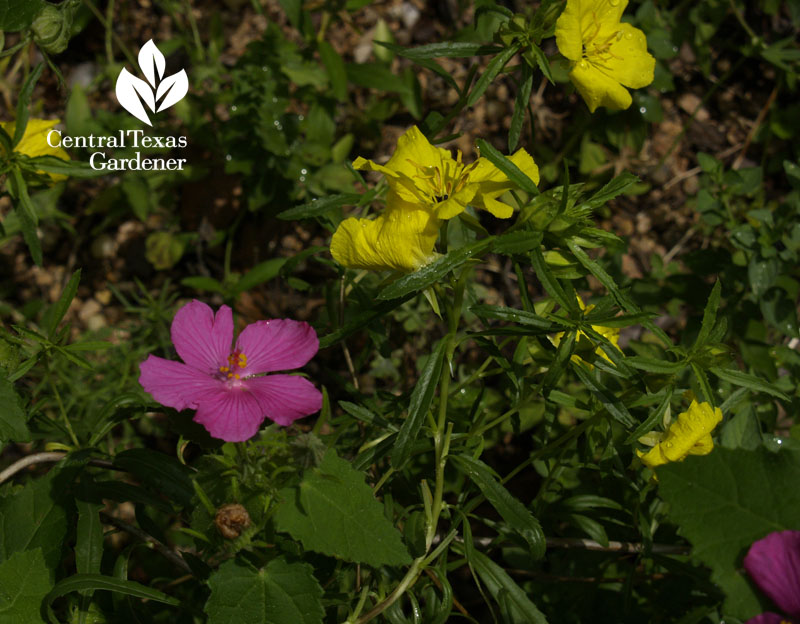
(629, 62)
(654, 457)
(692, 427)
(597, 88)
(583, 18)
(414, 150)
(34, 142)
(401, 239)
(492, 182)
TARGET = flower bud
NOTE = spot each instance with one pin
(52, 25)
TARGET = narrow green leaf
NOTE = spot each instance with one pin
(364, 415)
(201, 282)
(279, 592)
(24, 582)
(613, 405)
(23, 103)
(318, 207)
(702, 380)
(450, 49)
(89, 538)
(427, 63)
(612, 189)
(543, 62)
(550, 282)
(520, 106)
(427, 275)
(651, 365)
(518, 517)
(501, 586)
(334, 512)
(563, 353)
(72, 168)
(518, 242)
(56, 312)
(709, 315)
(746, 380)
(79, 582)
(262, 272)
(334, 65)
(503, 163)
(28, 219)
(513, 315)
(420, 403)
(494, 67)
(649, 423)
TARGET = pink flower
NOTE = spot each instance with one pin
(773, 562)
(225, 385)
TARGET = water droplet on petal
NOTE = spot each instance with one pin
(613, 3)
(583, 65)
(629, 35)
(668, 444)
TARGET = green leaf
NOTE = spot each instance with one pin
(89, 538)
(334, 65)
(420, 403)
(318, 207)
(513, 315)
(494, 67)
(333, 511)
(724, 502)
(24, 582)
(654, 417)
(709, 315)
(13, 427)
(279, 592)
(56, 312)
(502, 162)
(450, 49)
(427, 275)
(550, 282)
(262, 272)
(161, 472)
(613, 405)
(24, 101)
(517, 242)
(90, 582)
(361, 320)
(616, 186)
(16, 15)
(520, 107)
(71, 168)
(201, 282)
(33, 518)
(26, 212)
(504, 590)
(651, 365)
(518, 517)
(746, 380)
(375, 76)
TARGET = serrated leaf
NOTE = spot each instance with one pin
(427, 275)
(520, 106)
(318, 207)
(333, 511)
(505, 165)
(612, 189)
(746, 380)
(55, 313)
(503, 588)
(161, 472)
(450, 49)
(725, 501)
(709, 315)
(13, 427)
(91, 582)
(24, 582)
(518, 517)
(418, 406)
(512, 315)
(23, 103)
(517, 242)
(613, 405)
(494, 67)
(33, 518)
(279, 592)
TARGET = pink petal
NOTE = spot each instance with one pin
(285, 398)
(231, 413)
(276, 345)
(202, 340)
(767, 618)
(773, 563)
(174, 384)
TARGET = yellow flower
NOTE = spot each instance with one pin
(690, 434)
(606, 55)
(609, 333)
(400, 239)
(34, 142)
(429, 177)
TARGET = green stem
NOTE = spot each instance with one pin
(63, 411)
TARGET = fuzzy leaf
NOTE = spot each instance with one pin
(24, 582)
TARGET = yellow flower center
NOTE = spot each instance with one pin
(438, 182)
(598, 51)
(236, 362)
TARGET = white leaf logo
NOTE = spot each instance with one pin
(132, 91)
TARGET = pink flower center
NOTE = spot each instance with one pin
(237, 361)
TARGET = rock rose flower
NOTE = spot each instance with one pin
(773, 562)
(226, 384)
(690, 434)
(605, 55)
(34, 142)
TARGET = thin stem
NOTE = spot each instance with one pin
(63, 411)
(40, 458)
(120, 43)
(109, 32)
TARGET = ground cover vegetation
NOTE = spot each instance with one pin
(399, 311)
